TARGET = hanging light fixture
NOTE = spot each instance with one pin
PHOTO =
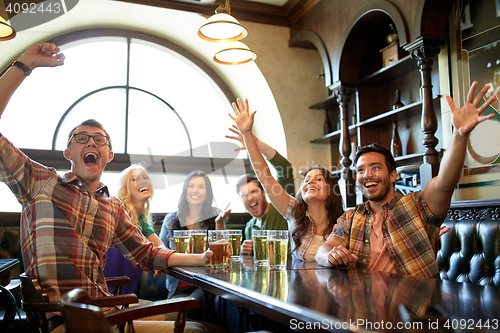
(222, 27)
(234, 53)
(6, 31)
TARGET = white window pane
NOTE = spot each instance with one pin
(49, 92)
(9, 202)
(190, 91)
(108, 108)
(154, 128)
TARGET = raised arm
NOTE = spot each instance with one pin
(276, 193)
(439, 190)
(265, 149)
(38, 55)
(284, 170)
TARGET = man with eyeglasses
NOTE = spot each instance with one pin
(68, 222)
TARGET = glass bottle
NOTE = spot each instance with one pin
(327, 127)
(397, 102)
(396, 147)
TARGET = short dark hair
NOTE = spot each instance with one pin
(376, 148)
(91, 123)
(246, 179)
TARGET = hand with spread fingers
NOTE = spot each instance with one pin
(221, 218)
(466, 118)
(243, 119)
(238, 137)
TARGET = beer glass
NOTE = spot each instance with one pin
(218, 242)
(235, 237)
(182, 241)
(199, 240)
(278, 248)
(260, 247)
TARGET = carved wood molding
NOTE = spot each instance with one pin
(462, 214)
(474, 210)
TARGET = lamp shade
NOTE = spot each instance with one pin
(6, 31)
(234, 53)
(222, 28)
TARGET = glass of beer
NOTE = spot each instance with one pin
(235, 237)
(199, 240)
(182, 241)
(218, 242)
(278, 248)
(260, 247)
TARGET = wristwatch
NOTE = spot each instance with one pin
(26, 69)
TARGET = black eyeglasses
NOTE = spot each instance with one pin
(83, 138)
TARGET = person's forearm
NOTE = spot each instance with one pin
(266, 150)
(322, 254)
(191, 259)
(258, 163)
(277, 194)
(156, 240)
(220, 224)
(452, 163)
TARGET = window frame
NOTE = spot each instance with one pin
(175, 164)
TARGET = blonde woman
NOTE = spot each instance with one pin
(135, 190)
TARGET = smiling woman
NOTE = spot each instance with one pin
(136, 191)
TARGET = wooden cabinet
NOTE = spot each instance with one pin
(369, 115)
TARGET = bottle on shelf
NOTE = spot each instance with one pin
(327, 127)
(397, 102)
(396, 147)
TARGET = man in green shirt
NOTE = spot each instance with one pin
(253, 195)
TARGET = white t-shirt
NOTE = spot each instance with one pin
(316, 242)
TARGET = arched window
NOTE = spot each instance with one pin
(158, 102)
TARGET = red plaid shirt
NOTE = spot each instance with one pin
(411, 233)
(66, 230)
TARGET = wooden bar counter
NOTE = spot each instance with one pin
(307, 296)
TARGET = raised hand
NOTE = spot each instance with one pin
(223, 214)
(42, 55)
(466, 118)
(243, 119)
(238, 137)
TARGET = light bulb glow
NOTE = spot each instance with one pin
(234, 53)
(6, 31)
(222, 27)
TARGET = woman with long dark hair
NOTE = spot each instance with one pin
(196, 210)
(318, 203)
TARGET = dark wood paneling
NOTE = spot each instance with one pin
(242, 10)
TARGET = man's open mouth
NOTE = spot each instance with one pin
(90, 158)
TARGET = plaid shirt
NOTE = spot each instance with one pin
(66, 230)
(410, 231)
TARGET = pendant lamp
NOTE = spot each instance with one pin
(234, 53)
(6, 31)
(222, 27)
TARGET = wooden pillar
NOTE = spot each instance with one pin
(424, 54)
(347, 182)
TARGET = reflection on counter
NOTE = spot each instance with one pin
(356, 299)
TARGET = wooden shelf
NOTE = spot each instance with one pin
(325, 104)
(334, 136)
(407, 111)
(401, 67)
